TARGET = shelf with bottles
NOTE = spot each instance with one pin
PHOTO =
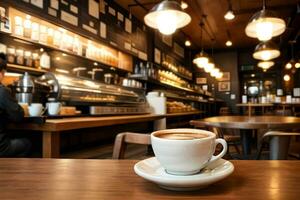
(185, 97)
(170, 64)
(48, 35)
(21, 68)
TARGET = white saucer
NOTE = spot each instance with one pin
(151, 170)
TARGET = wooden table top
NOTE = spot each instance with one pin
(84, 122)
(252, 122)
(46, 179)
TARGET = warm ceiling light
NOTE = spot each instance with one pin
(209, 67)
(288, 65)
(219, 75)
(297, 65)
(286, 77)
(229, 15)
(187, 43)
(228, 43)
(264, 25)
(252, 75)
(201, 59)
(215, 72)
(167, 16)
(266, 51)
(265, 65)
(184, 5)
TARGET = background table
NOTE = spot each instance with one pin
(251, 105)
(253, 122)
(46, 179)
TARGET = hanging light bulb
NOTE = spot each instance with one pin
(266, 51)
(215, 72)
(167, 16)
(286, 77)
(228, 43)
(201, 59)
(184, 5)
(219, 75)
(297, 65)
(229, 14)
(265, 65)
(264, 25)
(187, 43)
(209, 67)
(288, 65)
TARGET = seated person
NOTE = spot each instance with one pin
(10, 111)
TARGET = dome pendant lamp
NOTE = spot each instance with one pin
(167, 17)
(201, 59)
(266, 51)
(264, 25)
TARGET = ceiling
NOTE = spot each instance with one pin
(215, 24)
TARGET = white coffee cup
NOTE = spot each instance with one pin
(36, 109)
(186, 156)
(53, 108)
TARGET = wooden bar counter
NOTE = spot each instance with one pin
(52, 128)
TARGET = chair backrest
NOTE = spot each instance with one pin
(282, 147)
(122, 139)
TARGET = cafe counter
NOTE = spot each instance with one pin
(52, 128)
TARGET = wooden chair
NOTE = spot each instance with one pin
(122, 139)
(233, 140)
(283, 142)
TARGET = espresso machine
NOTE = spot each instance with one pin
(27, 90)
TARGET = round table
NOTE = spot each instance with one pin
(284, 123)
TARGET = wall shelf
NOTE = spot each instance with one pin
(21, 68)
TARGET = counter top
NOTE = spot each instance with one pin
(83, 122)
(183, 113)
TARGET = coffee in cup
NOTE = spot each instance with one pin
(36, 109)
(186, 151)
(25, 108)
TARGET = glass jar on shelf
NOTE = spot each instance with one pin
(50, 34)
(57, 38)
(11, 54)
(36, 60)
(43, 34)
(20, 56)
(35, 31)
(27, 28)
(19, 26)
(28, 58)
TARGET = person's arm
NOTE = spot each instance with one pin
(11, 107)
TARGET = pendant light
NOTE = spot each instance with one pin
(264, 25)
(229, 14)
(292, 62)
(201, 59)
(167, 16)
(266, 51)
(265, 65)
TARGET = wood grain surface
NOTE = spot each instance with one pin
(30, 179)
(246, 122)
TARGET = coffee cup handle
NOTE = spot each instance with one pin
(223, 152)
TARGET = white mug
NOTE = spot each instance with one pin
(35, 109)
(53, 108)
(186, 156)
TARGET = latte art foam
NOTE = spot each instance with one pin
(182, 136)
